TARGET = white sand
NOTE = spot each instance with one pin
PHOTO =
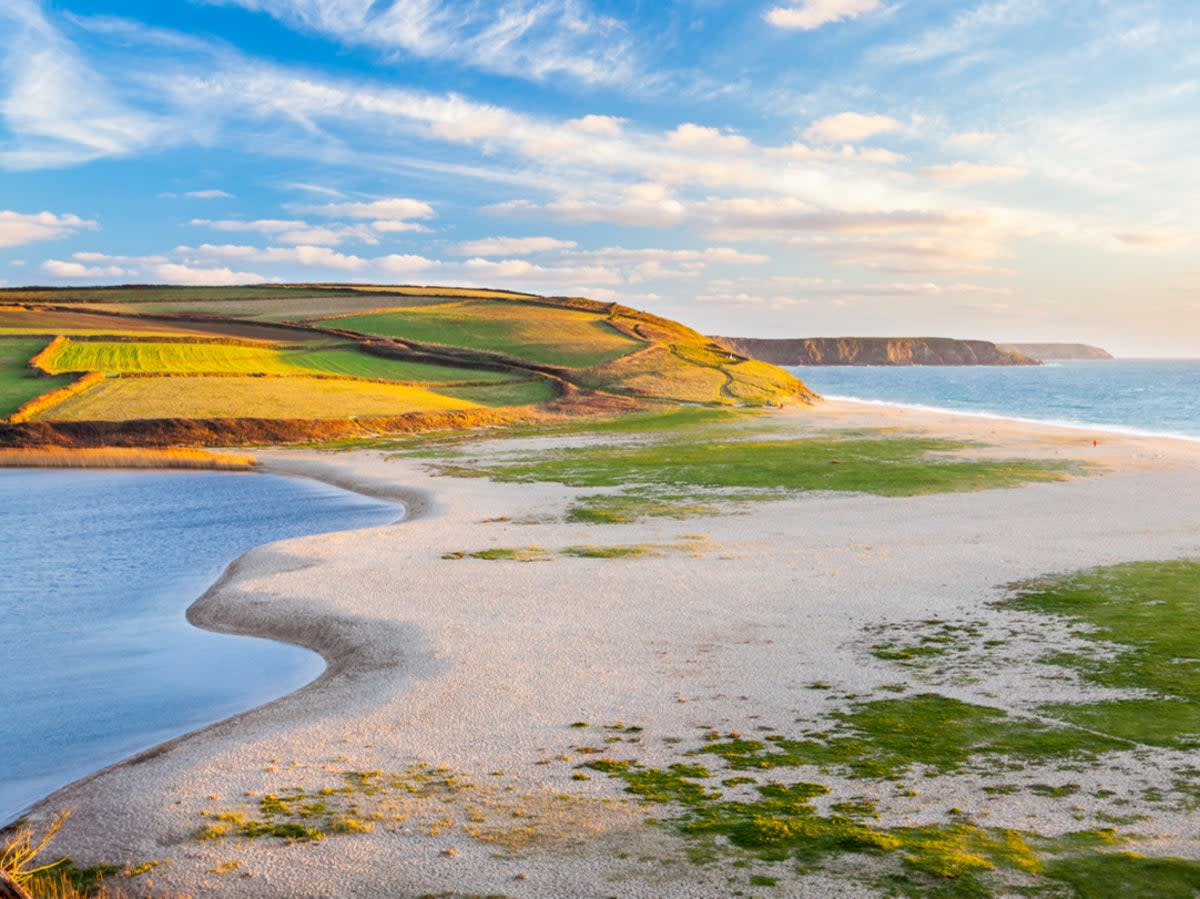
(481, 666)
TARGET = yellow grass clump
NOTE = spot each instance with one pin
(40, 404)
(49, 350)
(121, 457)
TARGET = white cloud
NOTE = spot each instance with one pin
(1152, 238)
(973, 138)
(92, 257)
(58, 268)
(18, 228)
(596, 124)
(320, 189)
(212, 194)
(850, 128)
(392, 226)
(968, 29)
(528, 273)
(695, 257)
(396, 264)
(812, 14)
(306, 255)
(512, 246)
(297, 231)
(394, 209)
(690, 136)
(174, 273)
(971, 173)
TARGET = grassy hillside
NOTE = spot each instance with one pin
(19, 384)
(542, 334)
(346, 352)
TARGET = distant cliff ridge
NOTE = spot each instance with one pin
(1056, 352)
(874, 351)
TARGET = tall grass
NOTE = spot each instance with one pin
(19, 862)
(120, 457)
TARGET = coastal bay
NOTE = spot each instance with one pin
(468, 692)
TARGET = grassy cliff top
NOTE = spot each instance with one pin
(348, 353)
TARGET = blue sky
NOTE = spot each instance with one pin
(1002, 169)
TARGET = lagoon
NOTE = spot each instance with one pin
(98, 568)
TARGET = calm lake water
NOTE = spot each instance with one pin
(1158, 396)
(98, 567)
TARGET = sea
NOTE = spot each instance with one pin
(98, 661)
(1159, 397)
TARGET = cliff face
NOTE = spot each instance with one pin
(1056, 352)
(874, 351)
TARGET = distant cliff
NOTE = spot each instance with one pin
(1056, 352)
(874, 351)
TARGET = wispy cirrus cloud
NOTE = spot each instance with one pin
(57, 107)
(294, 231)
(532, 39)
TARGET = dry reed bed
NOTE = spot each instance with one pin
(123, 457)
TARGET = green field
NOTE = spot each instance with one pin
(203, 396)
(510, 393)
(124, 357)
(174, 357)
(352, 362)
(17, 384)
(541, 334)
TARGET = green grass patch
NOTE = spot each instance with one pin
(509, 393)
(623, 508)
(1142, 616)
(511, 554)
(541, 334)
(18, 385)
(886, 738)
(349, 361)
(1128, 875)
(888, 466)
(691, 545)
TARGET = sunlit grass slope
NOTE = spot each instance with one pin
(541, 334)
(209, 396)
